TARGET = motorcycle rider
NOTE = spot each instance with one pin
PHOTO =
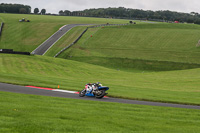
(96, 85)
(93, 86)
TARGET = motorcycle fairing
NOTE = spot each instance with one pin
(103, 87)
(89, 95)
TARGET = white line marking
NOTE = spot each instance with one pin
(60, 37)
(65, 91)
(56, 41)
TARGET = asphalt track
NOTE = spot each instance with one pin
(34, 91)
(43, 48)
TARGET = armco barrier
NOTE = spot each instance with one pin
(71, 43)
(10, 51)
(84, 32)
(1, 28)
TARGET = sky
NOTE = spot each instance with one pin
(54, 6)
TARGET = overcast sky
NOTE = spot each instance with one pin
(54, 6)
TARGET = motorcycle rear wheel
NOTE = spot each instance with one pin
(82, 93)
(101, 94)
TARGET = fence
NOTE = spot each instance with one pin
(71, 43)
(1, 28)
(83, 33)
(10, 51)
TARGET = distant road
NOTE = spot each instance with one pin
(45, 46)
(34, 91)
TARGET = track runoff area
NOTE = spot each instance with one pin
(34, 90)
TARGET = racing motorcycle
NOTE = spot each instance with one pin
(94, 90)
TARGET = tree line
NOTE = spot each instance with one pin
(15, 8)
(128, 13)
(19, 8)
(120, 12)
(37, 11)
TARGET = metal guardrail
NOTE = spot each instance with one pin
(107, 25)
(1, 28)
(83, 33)
(10, 51)
(71, 43)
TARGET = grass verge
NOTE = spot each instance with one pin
(28, 113)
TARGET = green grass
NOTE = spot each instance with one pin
(134, 65)
(27, 36)
(150, 62)
(121, 56)
(30, 114)
(175, 86)
(148, 43)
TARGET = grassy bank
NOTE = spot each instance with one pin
(135, 65)
(27, 113)
(172, 43)
(129, 59)
(175, 86)
(23, 36)
(153, 62)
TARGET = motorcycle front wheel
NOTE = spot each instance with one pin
(100, 94)
(82, 93)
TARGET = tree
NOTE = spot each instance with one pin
(67, 12)
(43, 11)
(36, 11)
(61, 12)
(197, 21)
(23, 10)
(14, 8)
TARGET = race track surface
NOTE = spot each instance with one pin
(41, 50)
(34, 91)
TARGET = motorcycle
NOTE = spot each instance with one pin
(94, 90)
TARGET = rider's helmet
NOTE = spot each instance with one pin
(99, 84)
